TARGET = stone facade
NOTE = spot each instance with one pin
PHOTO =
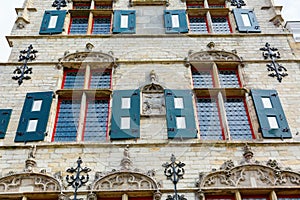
(133, 167)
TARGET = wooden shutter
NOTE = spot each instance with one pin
(181, 26)
(124, 21)
(273, 123)
(125, 107)
(183, 113)
(246, 21)
(34, 118)
(53, 22)
(4, 120)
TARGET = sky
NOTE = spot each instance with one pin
(8, 16)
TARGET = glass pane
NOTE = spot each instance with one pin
(67, 121)
(246, 20)
(36, 106)
(81, 5)
(79, 25)
(229, 79)
(125, 103)
(208, 118)
(198, 25)
(178, 103)
(52, 22)
(180, 122)
(273, 122)
(125, 122)
(175, 21)
(237, 119)
(101, 25)
(73, 80)
(124, 21)
(202, 79)
(100, 80)
(266, 102)
(220, 25)
(96, 120)
(32, 124)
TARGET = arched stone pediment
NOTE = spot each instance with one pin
(213, 56)
(94, 59)
(29, 182)
(249, 176)
(125, 180)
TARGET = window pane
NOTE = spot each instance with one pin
(67, 121)
(266, 102)
(125, 122)
(73, 79)
(273, 122)
(81, 5)
(100, 80)
(180, 123)
(175, 21)
(124, 21)
(53, 21)
(246, 20)
(220, 25)
(237, 118)
(125, 103)
(36, 106)
(32, 124)
(79, 25)
(198, 25)
(208, 118)
(101, 25)
(202, 79)
(96, 120)
(229, 79)
(103, 5)
(178, 103)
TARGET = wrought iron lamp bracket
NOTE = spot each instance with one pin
(59, 4)
(238, 3)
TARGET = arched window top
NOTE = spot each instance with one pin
(213, 56)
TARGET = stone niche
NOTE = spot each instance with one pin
(153, 100)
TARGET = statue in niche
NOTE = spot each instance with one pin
(153, 97)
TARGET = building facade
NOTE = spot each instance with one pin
(123, 89)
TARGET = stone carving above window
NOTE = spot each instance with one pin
(126, 178)
(94, 59)
(248, 174)
(212, 55)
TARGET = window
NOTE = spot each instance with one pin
(221, 108)
(86, 19)
(82, 115)
(208, 16)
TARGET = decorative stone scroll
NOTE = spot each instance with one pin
(126, 179)
(96, 59)
(29, 182)
(249, 174)
(212, 55)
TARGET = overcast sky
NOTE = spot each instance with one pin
(8, 17)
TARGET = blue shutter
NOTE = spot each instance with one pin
(254, 26)
(273, 111)
(25, 133)
(183, 27)
(187, 112)
(132, 112)
(56, 15)
(117, 23)
(4, 120)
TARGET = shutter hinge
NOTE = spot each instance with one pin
(20, 133)
(171, 129)
(1, 133)
(286, 129)
(274, 94)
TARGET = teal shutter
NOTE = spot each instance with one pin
(182, 27)
(270, 114)
(34, 117)
(131, 112)
(246, 21)
(185, 113)
(53, 22)
(4, 120)
(126, 26)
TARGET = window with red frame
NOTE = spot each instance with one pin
(255, 197)
(101, 25)
(81, 5)
(288, 197)
(220, 24)
(219, 197)
(79, 25)
(221, 114)
(198, 24)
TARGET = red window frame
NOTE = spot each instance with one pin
(104, 16)
(255, 196)
(77, 17)
(289, 196)
(108, 4)
(65, 76)
(75, 4)
(227, 18)
(214, 197)
(210, 70)
(98, 70)
(205, 18)
(232, 69)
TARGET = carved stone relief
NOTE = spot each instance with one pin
(248, 174)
